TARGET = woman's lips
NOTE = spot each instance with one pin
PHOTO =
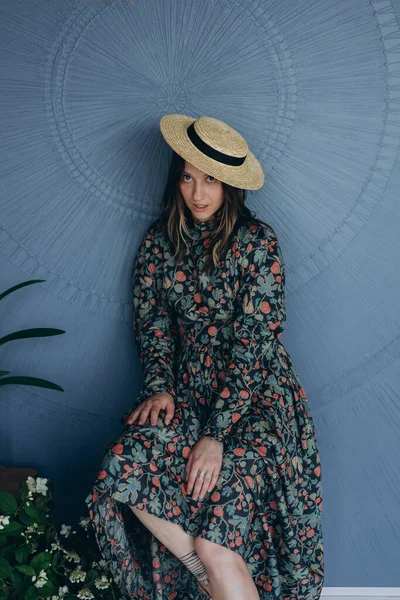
(198, 207)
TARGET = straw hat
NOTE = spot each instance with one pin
(213, 147)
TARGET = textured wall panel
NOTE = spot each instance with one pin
(315, 89)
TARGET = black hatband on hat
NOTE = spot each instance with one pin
(221, 157)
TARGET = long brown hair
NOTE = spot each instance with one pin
(177, 216)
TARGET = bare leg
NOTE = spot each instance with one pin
(228, 574)
(180, 543)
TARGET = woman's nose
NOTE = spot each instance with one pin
(197, 192)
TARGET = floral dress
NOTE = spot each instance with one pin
(212, 341)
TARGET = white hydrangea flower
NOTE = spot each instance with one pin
(85, 593)
(41, 487)
(72, 555)
(55, 547)
(65, 530)
(4, 521)
(62, 591)
(84, 523)
(101, 583)
(41, 579)
(77, 575)
(31, 483)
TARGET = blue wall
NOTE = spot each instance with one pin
(315, 88)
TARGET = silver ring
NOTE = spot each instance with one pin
(201, 474)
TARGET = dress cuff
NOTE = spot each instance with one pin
(215, 435)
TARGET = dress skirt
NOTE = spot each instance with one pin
(266, 504)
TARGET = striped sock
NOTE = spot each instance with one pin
(192, 561)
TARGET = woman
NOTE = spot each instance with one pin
(213, 488)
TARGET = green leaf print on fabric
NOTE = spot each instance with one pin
(259, 318)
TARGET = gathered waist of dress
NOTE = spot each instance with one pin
(203, 335)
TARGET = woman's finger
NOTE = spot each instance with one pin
(202, 488)
(136, 413)
(133, 416)
(194, 468)
(206, 484)
(188, 471)
(200, 483)
(143, 415)
(169, 413)
(154, 415)
(214, 479)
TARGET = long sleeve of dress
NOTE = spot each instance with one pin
(259, 318)
(155, 330)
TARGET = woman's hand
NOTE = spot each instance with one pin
(206, 455)
(152, 406)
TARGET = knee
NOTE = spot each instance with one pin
(214, 554)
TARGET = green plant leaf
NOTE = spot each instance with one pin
(19, 286)
(5, 570)
(41, 561)
(13, 528)
(4, 593)
(22, 553)
(25, 519)
(34, 513)
(43, 383)
(19, 582)
(32, 593)
(2, 373)
(42, 502)
(26, 570)
(55, 561)
(8, 553)
(8, 504)
(32, 332)
(90, 577)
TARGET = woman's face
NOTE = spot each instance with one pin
(198, 188)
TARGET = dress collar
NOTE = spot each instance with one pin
(200, 229)
(204, 225)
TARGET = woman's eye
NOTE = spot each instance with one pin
(189, 177)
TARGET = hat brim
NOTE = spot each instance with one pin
(248, 176)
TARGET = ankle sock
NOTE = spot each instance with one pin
(192, 561)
